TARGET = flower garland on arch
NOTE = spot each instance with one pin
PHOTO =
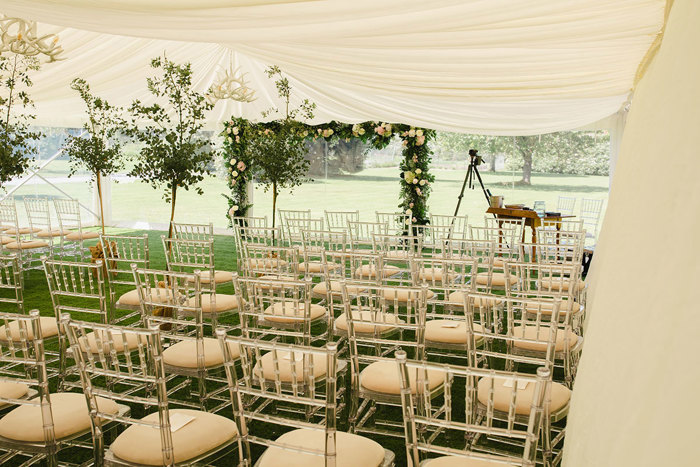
(415, 178)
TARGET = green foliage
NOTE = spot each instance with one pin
(16, 139)
(238, 165)
(174, 153)
(306, 108)
(99, 153)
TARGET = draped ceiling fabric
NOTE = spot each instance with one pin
(481, 66)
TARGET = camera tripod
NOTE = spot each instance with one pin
(475, 161)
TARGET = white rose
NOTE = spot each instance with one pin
(355, 128)
(233, 161)
(234, 174)
(419, 132)
(232, 211)
(422, 182)
(228, 129)
(419, 171)
(235, 130)
(361, 131)
(408, 212)
(229, 139)
(415, 180)
(388, 127)
(411, 132)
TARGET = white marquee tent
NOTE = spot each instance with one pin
(485, 66)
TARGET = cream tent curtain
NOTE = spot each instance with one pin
(635, 402)
(481, 66)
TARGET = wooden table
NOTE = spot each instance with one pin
(531, 219)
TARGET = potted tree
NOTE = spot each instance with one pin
(175, 154)
(99, 153)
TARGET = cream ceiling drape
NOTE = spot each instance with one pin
(482, 66)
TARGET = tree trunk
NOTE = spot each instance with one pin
(274, 207)
(526, 147)
(527, 167)
(99, 195)
(172, 211)
(492, 163)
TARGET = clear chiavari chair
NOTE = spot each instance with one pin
(165, 436)
(488, 278)
(17, 241)
(566, 205)
(507, 224)
(39, 424)
(250, 221)
(506, 238)
(531, 339)
(12, 301)
(280, 309)
(567, 225)
(260, 236)
(314, 244)
(458, 224)
(397, 248)
(80, 290)
(338, 220)
(189, 256)
(399, 222)
(549, 282)
(39, 216)
(173, 301)
(200, 232)
(433, 436)
(293, 388)
(361, 233)
(120, 252)
(339, 266)
(68, 213)
(378, 323)
(270, 262)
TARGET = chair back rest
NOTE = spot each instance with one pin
(249, 221)
(68, 213)
(501, 223)
(285, 214)
(265, 236)
(490, 408)
(8, 215)
(459, 224)
(23, 363)
(555, 253)
(505, 238)
(566, 205)
(120, 252)
(361, 233)
(259, 260)
(338, 220)
(544, 279)
(302, 378)
(114, 360)
(398, 222)
(294, 227)
(38, 213)
(315, 242)
(11, 284)
(434, 236)
(193, 231)
(77, 288)
(397, 247)
(444, 275)
(565, 225)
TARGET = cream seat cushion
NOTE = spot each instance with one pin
(321, 288)
(540, 337)
(398, 254)
(52, 233)
(131, 298)
(441, 330)
(366, 322)
(22, 230)
(84, 236)
(30, 245)
(560, 285)
(6, 239)
(132, 341)
(224, 302)
(284, 363)
(219, 277)
(383, 377)
(12, 390)
(287, 312)
(498, 279)
(559, 396)
(351, 450)
(431, 274)
(402, 295)
(49, 328)
(266, 263)
(454, 461)
(70, 416)
(369, 270)
(546, 307)
(142, 444)
(457, 298)
(315, 267)
(184, 353)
